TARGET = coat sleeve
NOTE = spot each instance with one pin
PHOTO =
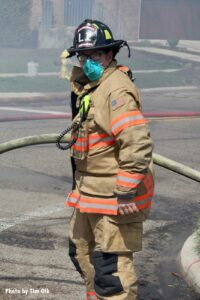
(130, 129)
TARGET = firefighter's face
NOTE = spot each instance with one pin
(104, 58)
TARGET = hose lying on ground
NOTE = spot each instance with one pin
(52, 138)
(32, 140)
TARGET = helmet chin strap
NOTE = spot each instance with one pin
(127, 45)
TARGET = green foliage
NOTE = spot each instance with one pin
(14, 22)
(172, 43)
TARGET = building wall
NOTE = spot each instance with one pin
(121, 16)
(131, 18)
(36, 14)
(110, 16)
(172, 19)
(58, 12)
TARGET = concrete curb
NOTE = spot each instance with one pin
(190, 263)
(29, 96)
(34, 96)
(167, 52)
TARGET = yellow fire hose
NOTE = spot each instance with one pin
(51, 138)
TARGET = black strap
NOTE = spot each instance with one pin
(74, 127)
(75, 111)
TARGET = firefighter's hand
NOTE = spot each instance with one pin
(126, 207)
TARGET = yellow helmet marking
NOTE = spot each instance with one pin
(95, 25)
(107, 35)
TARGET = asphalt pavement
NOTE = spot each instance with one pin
(34, 221)
(34, 182)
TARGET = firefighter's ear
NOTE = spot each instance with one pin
(110, 55)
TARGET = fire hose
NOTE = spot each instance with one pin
(52, 138)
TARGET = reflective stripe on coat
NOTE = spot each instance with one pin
(90, 204)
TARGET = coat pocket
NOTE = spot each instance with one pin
(121, 236)
(79, 149)
(137, 217)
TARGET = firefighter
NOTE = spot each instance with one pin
(112, 157)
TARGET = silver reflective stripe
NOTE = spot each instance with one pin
(91, 298)
(81, 144)
(140, 202)
(126, 120)
(104, 139)
(72, 199)
(92, 141)
(128, 179)
(100, 206)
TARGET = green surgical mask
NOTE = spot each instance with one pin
(93, 69)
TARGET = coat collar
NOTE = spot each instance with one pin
(81, 85)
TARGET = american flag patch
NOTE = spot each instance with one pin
(117, 103)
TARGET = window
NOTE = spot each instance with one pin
(76, 11)
(47, 13)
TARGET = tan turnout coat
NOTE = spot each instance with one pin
(113, 151)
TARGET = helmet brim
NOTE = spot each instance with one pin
(114, 44)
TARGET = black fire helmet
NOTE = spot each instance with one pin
(92, 35)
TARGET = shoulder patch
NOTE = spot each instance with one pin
(117, 103)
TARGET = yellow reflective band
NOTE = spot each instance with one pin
(107, 35)
(85, 104)
(95, 25)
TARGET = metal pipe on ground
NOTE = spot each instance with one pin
(51, 138)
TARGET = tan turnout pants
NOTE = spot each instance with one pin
(101, 249)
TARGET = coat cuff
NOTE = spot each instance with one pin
(127, 182)
(125, 196)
